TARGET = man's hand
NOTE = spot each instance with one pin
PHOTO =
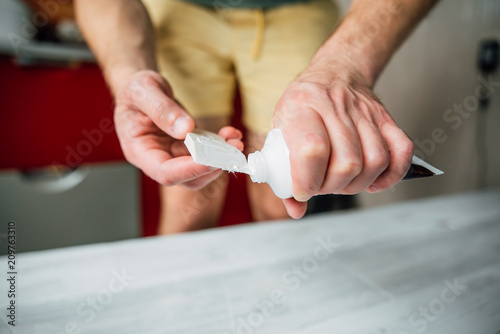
(151, 127)
(341, 139)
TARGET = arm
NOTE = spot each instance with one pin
(341, 139)
(149, 123)
(120, 35)
(368, 36)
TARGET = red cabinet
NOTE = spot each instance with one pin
(55, 115)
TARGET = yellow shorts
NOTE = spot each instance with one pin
(204, 52)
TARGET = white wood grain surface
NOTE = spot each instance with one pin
(389, 271)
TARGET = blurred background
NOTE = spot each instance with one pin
(64, 180)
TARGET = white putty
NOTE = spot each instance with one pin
(209, 149)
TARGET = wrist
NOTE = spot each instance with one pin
(329, 67)
(118, 77)
(350, 55)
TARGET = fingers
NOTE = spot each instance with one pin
(346, 160)
(233, 136)
(400, 149)
(229, 132)
(341, 141)
(309, 146)
(203, 181)
(182, 170)
(294, 208)
(375, 157)
(147, 119)
(151, 94)
(149, 154)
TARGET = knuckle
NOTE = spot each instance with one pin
(407, 148)
(348, 168)
(137, 90)
(378, 160)
(298, 95)
(314, 146)
(164, 113)
(147, 80)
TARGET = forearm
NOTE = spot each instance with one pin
(120, 34)
(370, 33)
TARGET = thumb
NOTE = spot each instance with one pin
(153, 96)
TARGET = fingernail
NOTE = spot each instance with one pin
(373, 189)
(302, 197)
(181, 125)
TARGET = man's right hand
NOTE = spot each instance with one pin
(151, 127)
(149, 123)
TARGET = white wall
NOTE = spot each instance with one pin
(433, 70)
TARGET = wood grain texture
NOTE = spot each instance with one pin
(430, 266)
